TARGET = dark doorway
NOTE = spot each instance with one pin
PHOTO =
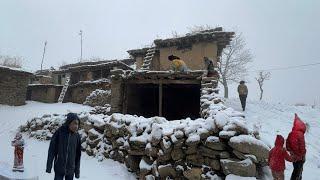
(181, 101)
(142, 99)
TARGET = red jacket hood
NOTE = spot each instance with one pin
(298, 124)
(279, 141)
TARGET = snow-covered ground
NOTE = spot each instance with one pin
(12, 117)
(276, 118)
(272, 118)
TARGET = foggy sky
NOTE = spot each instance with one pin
(279, 34)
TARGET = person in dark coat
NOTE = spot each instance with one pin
(211, 72)
(296, 146)
(243, 93)
(65, 150)
(277, 157)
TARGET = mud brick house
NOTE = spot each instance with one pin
(83, 78)
(153, 90)
(191, 48)
(13, 86)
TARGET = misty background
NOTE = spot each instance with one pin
(280, 34)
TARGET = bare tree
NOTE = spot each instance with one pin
(262, 76)
(234, 62)
(11, 61)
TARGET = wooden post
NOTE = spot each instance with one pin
(160, 98)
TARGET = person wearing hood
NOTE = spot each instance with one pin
(65, 150)
(277, 157)
(296, 146)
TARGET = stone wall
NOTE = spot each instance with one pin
(218, 145)
(156, 148)
(78, 93)
(13, 86)
(44, 93)
(98, 97)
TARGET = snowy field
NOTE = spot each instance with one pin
(36, 152)
(275, 118)
(272, 118)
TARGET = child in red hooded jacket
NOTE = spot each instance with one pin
(297, 147)
(277, 157)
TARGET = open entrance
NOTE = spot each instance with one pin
(142, 99)
(172, 101)
(181, 101)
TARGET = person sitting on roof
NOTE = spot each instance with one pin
(178, 65)
(211, 72)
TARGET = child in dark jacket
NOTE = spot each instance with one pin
(277, 157)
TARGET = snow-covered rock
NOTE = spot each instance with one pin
(250, 145)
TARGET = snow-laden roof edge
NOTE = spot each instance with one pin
(21, 70)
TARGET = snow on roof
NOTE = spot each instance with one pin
(94, 65)
(217, 34)
(21, 70)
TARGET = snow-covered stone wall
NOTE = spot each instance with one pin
(218, 145)
(98, 97)
(154, 148)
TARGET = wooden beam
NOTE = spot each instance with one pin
(160, 99)
(165, 81)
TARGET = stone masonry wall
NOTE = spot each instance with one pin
(13, 87)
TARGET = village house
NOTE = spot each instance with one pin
(191, 48)
(149, 89)
(13, 86)
(153, 90)
(80, 79)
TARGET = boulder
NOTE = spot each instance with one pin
(195, 159)
(193, 139)
(250, 145)
(207, 152)
(190, 149)
(213, 142)
(193, 174)
(93, 134)
(213, 163)
(244, 168)
(132, 162)
(227, 134)
(166, 171)
(177, 154)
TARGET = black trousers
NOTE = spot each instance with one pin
(297, 170)
(60, 177)
(243, 100)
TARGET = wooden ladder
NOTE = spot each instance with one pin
(64, 90)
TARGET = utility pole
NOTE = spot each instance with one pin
(44, 51)
(81, 45)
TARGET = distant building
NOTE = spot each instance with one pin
(13, 86)
(85, 77)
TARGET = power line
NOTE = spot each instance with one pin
(288, 67)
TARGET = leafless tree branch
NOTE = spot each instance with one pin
(262, 76)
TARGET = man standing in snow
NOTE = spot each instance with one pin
(65, 150)
(243, 93)
(296, 146)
